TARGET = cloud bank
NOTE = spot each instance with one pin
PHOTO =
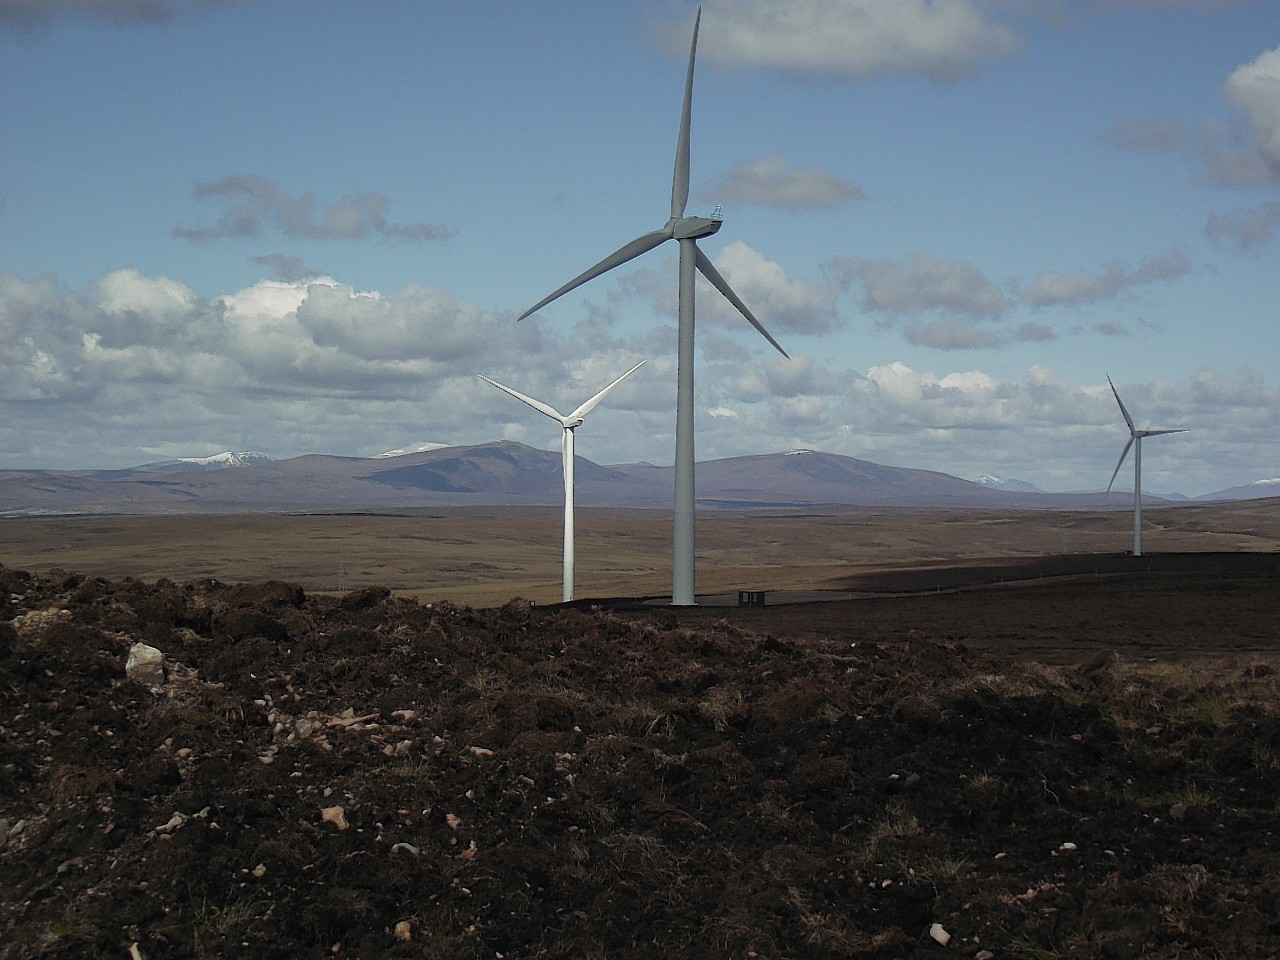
(136, 367)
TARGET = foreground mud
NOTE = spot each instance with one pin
(365, 776)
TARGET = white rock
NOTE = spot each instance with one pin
(145, 665)
(939, 934)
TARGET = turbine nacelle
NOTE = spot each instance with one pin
(693, 228)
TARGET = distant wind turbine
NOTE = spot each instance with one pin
(1135, 441)
(570, 423)
(687, 230)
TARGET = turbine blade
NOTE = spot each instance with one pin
(1156, 433)
(590, 405)
(1120, 463)
(538, 405)
(1127, 419)
(680, 180)
(709, 271)
(620, 256)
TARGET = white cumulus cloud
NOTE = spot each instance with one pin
(1254, 90)
(940, 39)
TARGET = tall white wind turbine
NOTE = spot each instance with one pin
(1135, 441)
(570, 423)
(687, 230)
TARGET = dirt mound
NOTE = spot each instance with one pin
(368, 776)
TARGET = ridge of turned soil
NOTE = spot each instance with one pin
(1086, 767)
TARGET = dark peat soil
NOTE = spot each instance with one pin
(1087, 766)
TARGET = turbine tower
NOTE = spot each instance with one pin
(687, 230)
(1135, 441)
(570, 423)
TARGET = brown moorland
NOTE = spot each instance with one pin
(484, 556)
(1003, 739)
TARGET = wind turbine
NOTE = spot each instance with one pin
(687, 230)
(570, 423)
(1135, 441)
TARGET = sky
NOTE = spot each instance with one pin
(305, 226)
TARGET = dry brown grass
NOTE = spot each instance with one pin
(485, 556)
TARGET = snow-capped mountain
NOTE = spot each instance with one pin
(219, 461)
(1249, 491)
(1007, 483)
(423, 447)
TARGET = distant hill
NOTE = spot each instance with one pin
(1250, 491)
(498, 473)
(422, 447)
(219, 461)
(1007, 483)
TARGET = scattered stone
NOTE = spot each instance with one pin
(1068, 847)
(347, 719)
(1178, 811)
(404, 931)
(480, 751)
(178, 820)
(940, 934)
(403, 847)
(259, 871)
(984, 955)
(145, 665)
(335, 815)
(34, 624)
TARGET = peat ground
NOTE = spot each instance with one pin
(1084, 763)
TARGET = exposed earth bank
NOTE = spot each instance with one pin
(987, 773)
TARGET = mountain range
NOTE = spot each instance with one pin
(508, 473)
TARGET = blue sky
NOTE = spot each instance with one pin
(304, 226)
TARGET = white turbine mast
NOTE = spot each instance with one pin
(569, 423)
(1135, 441)
(687, 230)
